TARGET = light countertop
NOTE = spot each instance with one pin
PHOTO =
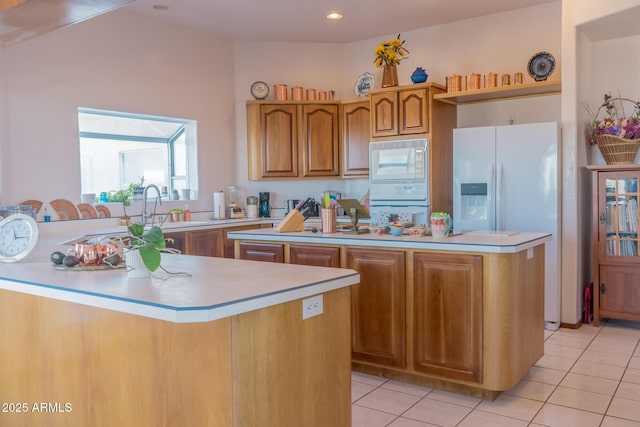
(506, 242)
(217, 288)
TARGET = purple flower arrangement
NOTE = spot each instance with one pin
(615, 121)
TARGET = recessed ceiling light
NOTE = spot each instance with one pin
(334, 16)
(160, 7)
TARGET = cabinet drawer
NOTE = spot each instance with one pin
(270, 252)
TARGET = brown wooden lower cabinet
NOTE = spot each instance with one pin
(378, 306)
(320, 256)
(472, 323)
(619, 291)
(270, 252)
(178, 240)
(228, 243)
(205, 243)
(447, 305)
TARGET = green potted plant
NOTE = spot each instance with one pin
(137, 189)
(144, 247)
(149, 243)
(174, 214)
(440, 215)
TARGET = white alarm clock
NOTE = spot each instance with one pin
(18, 237)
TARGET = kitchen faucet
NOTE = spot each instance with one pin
(145, 214)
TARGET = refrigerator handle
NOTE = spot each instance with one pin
(491, 196)
(499, 216)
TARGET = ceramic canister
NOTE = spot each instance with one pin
(297, 93)
(280, 92)
(473, 81)
(490, 80)
(518, 78)
(311, 94)
(454, 83)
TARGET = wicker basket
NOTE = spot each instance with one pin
(616, 150)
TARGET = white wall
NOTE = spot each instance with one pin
(501, 43)
(4, 120)
(117, 61)
(584, 78)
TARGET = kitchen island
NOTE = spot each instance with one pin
(227, 346)
(464, 313)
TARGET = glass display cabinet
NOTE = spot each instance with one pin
(615, 245)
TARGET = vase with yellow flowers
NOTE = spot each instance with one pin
(388, 56)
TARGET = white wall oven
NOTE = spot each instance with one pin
(399, 172)
(399, 180)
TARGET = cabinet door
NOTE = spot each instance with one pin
(356, 135)
(320, 256)
(378, 306)
(320, 143)
(413, 111)
(205, 243)
(178, 241)
(384, 114)
(447, 305)
(278, 141)
(270, 252)
(228, 244)
(618, 217)
(620, 292)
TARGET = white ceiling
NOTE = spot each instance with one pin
(304, 20)
(34, 17)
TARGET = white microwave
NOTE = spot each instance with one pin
(399, 171)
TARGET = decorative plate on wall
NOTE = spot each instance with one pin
(65, 209)
(363, 84)
(87, 211)
(541, 65)
(103, 211)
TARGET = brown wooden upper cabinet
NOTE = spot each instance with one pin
(292, 140)
(356, 135)
(272, 132)
(320, 143)
(403, 110)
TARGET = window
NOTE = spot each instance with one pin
(118, 150)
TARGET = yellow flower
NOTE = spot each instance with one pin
(390, 52)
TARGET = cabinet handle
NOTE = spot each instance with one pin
(603, 288)
(602, 219)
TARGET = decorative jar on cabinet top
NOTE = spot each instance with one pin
(419, 75)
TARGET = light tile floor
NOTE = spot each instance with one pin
(588, 377)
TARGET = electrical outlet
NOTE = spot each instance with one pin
(312, 307)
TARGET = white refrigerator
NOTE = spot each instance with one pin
(506, 179)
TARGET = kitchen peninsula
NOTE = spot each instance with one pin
(463, 313)
(227, 346)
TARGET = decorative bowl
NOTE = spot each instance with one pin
(377, 229)
(396, 230)
(417, 231)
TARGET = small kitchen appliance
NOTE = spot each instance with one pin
(233, 210)
(264, 208)
(252, 207)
